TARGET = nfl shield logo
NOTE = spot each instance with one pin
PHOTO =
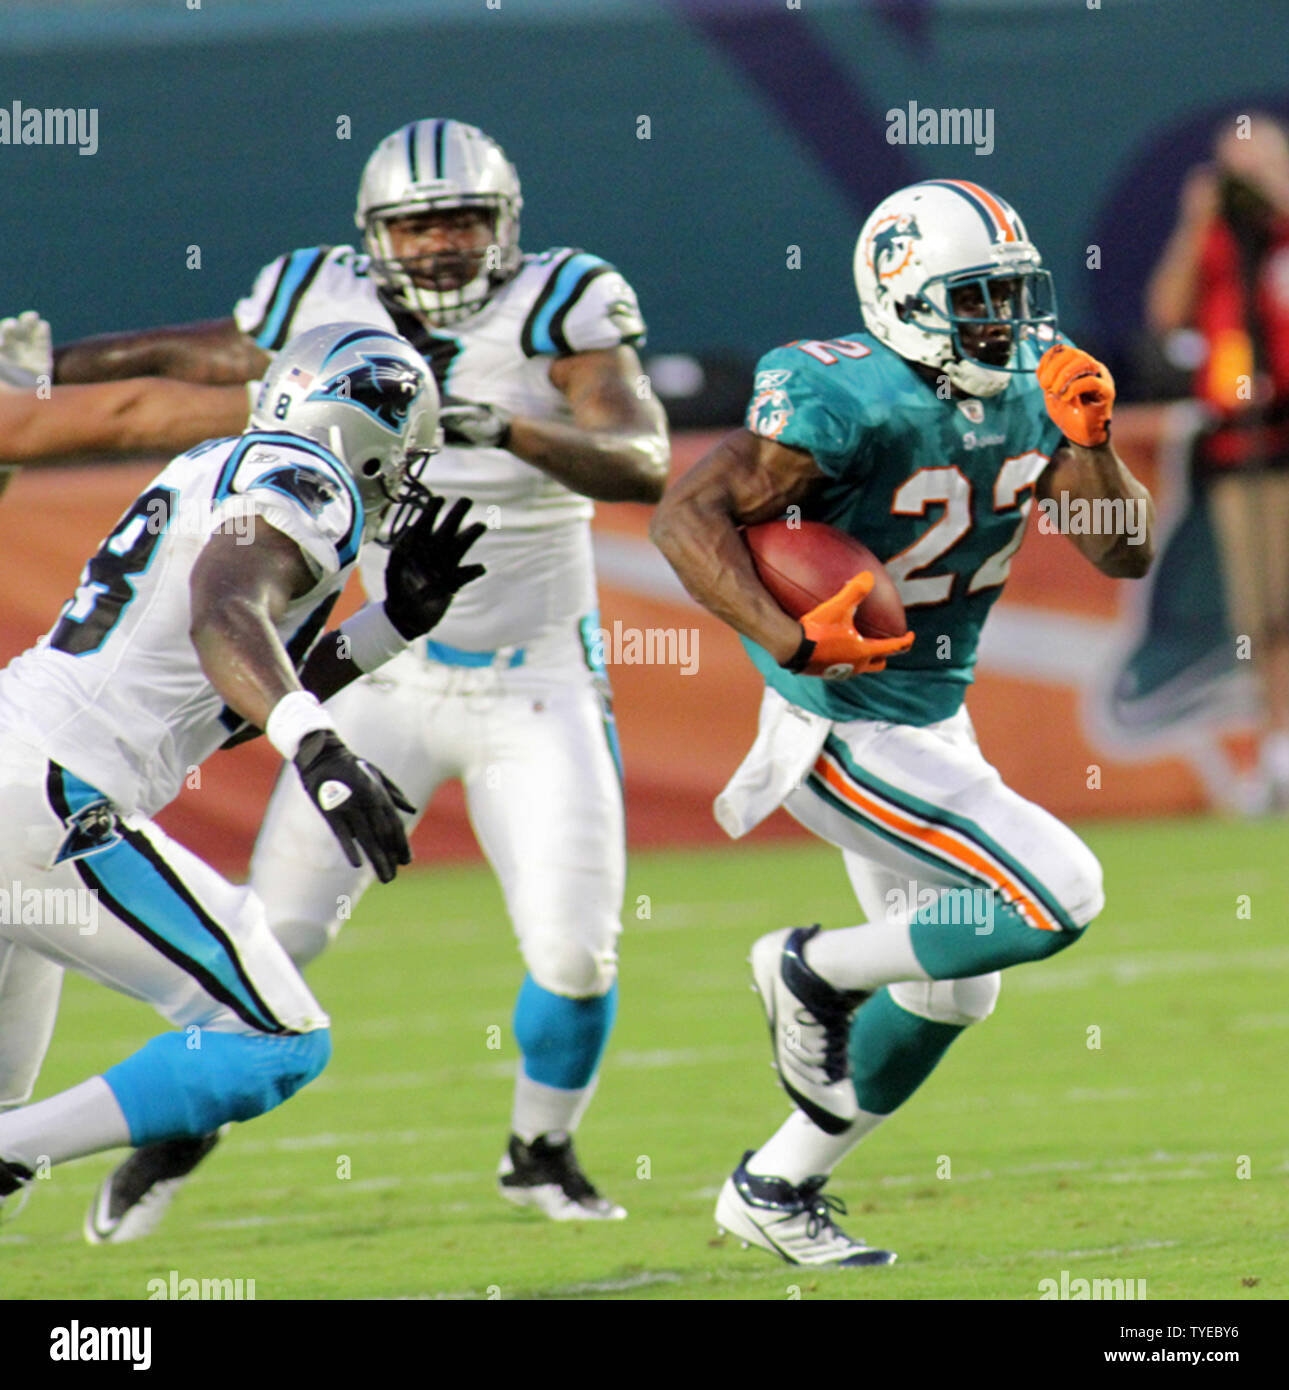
(973, 410)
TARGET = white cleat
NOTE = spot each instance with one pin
(809, 1028)
(545, 1174)
(794, 1223)
(138, 1193)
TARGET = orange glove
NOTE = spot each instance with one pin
(832, 647)
(1078, 393)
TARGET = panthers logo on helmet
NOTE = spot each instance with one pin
(384, 387)
(890, 248)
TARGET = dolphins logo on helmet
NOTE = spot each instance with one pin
(890, 247)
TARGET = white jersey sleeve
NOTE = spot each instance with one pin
(299, 489)
(116, 692)
(585, 305)
(306, 288)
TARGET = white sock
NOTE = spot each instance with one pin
(541, 1109)
(864, 957)
(799, 1149)
(83, 1120)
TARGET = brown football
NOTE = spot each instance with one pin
(805, 562)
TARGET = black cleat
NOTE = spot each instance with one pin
(15, 1186)
(134, 1198)
(545, 1174)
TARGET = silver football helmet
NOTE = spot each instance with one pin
(365, 394)
(431, 166)
(930, 244)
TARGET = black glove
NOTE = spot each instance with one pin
(425, 568)
(357, 801)
(472, 422)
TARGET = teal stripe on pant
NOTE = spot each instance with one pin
(899, 799)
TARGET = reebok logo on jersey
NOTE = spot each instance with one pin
(332, 794)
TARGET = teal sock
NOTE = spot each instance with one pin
(892, 1052)
(971, 931)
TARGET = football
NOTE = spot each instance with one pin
(803, 563)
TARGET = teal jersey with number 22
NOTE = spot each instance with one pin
(938, 489)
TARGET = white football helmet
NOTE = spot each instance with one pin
(928, 240)
(429, 166)
(365, 394)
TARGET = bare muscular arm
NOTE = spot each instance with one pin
(213, 352)
(743, 480)
(147, 415)
(616, 449)
(1099, 473)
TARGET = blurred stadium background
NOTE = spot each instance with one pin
(220, 127)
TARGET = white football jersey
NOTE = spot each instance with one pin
(537, 548)
(115, 692)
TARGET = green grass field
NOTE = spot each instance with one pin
(1121, 1161)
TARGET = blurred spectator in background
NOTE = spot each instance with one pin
(1224, 276)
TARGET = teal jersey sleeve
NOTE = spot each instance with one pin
(795, 402)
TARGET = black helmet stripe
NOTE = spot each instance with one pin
(359, 335)
(440, 131)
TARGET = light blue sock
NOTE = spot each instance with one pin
(171, 1090)
(562, 1039)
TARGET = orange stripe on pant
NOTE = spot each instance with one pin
(939, 841)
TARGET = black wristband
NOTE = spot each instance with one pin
(800, 659)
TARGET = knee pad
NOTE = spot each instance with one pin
(960, 1002)
(305, 941)
(183, 1085)
(570, 965)
(1078, 884)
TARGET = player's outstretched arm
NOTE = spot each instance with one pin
(424, 572)
(743, 480)
(615, 450)
(238, 593)
(213, 352)
(147, 415)
(1079, 395)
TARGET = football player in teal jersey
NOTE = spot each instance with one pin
(928, 437)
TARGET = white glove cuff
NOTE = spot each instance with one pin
(292, 719)
(373, 639)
